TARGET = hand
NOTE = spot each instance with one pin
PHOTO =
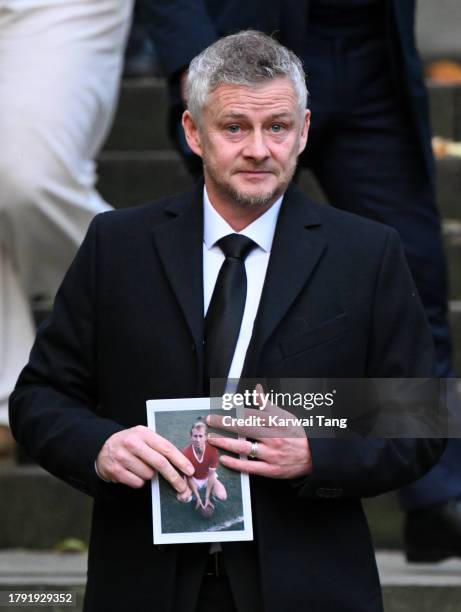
(283, 451)
(208, 503)
(132, 457)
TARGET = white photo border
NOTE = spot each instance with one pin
(201, 404)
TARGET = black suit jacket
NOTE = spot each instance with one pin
(183, 28)
(127, 326)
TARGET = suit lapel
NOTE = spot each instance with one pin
(179, 243)
(296, 250)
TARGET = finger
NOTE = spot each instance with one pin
(114, 460)
(257, 428)
(135, 452)
(185, 496)
(141, 448)
(164, 467)
(128, 463)
(121, 475)
(269, 408)
(143, 443)
(264, 429)
(239, 447)
(258, 468)
(169, 450)
(139, 468)
(259, 391)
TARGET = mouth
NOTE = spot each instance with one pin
(257, 170)
(255, 173)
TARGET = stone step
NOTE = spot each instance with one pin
(43, 572)
(455, 319)
(445, 110)
(127, 178)
(385, 520)
(418, 588)
(39, 511)
(452, 240)
(449, 187)
(141, 119)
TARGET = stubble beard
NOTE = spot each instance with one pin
(245, 200)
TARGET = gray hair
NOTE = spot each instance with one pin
(246, 58)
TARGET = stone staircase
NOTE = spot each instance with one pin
(138, 165)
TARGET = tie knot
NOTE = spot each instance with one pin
(236, 246)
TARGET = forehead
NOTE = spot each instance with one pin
(198, 430)
(270, 98)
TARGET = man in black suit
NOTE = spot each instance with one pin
(369, 149)
(325, 294)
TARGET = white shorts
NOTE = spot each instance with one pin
(202, 483)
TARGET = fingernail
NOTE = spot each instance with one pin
(190, 470)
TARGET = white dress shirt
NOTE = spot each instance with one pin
(261, 231)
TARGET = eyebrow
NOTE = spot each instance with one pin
(275, 116)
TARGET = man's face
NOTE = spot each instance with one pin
(249, 139)
(198, 438)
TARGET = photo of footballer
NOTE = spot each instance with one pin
(217, 506)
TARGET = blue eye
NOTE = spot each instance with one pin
(233, 129)
(277, 127)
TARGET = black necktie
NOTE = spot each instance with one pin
(225, 312)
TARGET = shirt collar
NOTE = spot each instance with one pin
(261, 230)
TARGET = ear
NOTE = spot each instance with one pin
(304, 131)
(192, 133)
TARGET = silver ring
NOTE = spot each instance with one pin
(254, 451)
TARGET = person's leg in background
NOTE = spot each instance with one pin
(59, 80)
(16, 336)
(365, 154)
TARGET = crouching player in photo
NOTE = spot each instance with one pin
(205, 459)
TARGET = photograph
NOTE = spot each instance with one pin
(218, 507)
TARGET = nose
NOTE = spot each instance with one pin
(256, 147)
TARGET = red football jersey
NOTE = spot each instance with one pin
(209, 460)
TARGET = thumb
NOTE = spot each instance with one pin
(259, 395)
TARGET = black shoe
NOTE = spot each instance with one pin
(434, 533)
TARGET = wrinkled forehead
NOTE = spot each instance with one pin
(277, 96)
